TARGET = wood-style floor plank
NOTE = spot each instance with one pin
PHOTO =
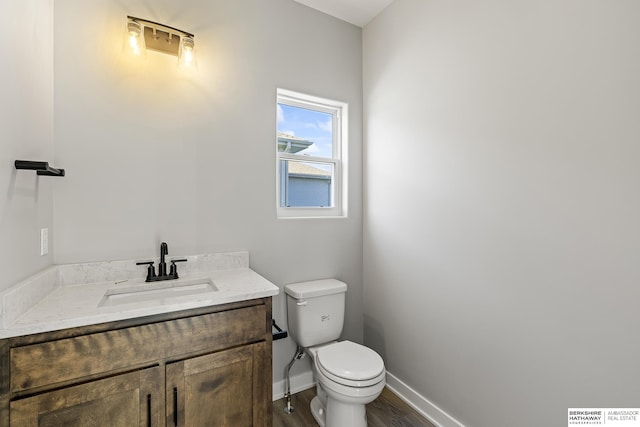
(388, 410)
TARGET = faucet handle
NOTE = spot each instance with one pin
(151, 271)
(173, 269)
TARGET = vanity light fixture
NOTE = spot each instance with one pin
(143, 34)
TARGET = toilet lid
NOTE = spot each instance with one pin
(351, 361)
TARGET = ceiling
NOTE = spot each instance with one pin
(357, 12)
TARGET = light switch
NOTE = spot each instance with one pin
(44, 241)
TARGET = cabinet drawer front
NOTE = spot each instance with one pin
(65, 360)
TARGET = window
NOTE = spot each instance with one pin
(311, 156)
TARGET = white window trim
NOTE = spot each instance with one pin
(340, 112)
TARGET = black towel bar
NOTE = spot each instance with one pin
(43, 168)
(280, 334)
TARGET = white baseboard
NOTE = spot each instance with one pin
(299, 383)
(435, 415)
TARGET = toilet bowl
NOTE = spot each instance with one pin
(348, 375)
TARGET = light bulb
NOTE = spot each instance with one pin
(133, 44)
(187, 54)
(135, 38)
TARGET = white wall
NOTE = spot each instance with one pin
(502, 205)
(155, 155)
(26, 124)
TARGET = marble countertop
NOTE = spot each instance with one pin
(70, 305)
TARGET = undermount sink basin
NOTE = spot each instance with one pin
(163, 292)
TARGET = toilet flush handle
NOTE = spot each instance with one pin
(304, 302)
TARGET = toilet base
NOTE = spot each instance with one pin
(318, 411)
(338, 414)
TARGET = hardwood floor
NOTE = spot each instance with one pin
(386, 411)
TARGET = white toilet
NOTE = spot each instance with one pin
(348, 375)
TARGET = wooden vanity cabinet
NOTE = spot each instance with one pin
(202, 367)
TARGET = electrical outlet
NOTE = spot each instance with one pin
(44, 241)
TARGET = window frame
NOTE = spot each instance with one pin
(340, 112)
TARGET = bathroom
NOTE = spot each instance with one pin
(490, 246)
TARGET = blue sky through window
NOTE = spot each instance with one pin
(311, 125)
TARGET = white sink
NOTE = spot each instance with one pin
(161, 292)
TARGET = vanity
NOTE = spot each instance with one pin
(81, 357)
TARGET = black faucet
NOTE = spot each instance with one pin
(162, 266)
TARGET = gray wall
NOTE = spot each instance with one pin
(26, 123)
(154, 155)
(502, 205)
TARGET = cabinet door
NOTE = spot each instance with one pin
(214, 390)
(126, 400)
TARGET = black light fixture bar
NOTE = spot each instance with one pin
(160, 26)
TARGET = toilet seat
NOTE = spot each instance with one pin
(350, 364)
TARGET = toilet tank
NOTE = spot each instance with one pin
(315, 311)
